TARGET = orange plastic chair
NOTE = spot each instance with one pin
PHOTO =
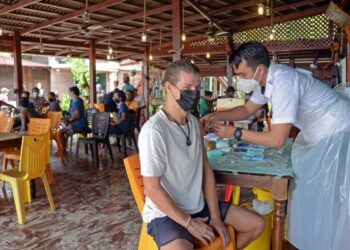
(2, 113)
(55, 117)
(32, 166)
(133, 170)
(6, 124)
(100, 107)
(36, 126)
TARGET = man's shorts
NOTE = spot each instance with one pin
(74, 129)
(164, 230)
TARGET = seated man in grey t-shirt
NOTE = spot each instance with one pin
(181, 200)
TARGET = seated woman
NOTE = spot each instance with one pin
(206, 103)
(123, 124)
(26, 113)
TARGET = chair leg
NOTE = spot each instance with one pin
(48, 192)
(124, 146)
(71, 143)
(4, 167)
(27, 197)
(118, 144)
(77, 150)
(13, 163)
(135, 142)
(32, 188)
(108, 144)
(49, 173)
(17, 189)
(95, 154)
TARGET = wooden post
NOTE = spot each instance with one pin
(177, 22)
(17, 58)
(145, 82)
(347, 30)
(229, 50)
(92, 67)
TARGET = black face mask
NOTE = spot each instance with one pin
(51, 99)
(188, 99)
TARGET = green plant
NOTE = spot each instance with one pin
(65, 102)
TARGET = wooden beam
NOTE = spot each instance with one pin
(146, 79)
(75, 13)
(17, 57)
(229, 50)
(205, 14)
(61, 52)
(92, 71)
(282, 19)
(29, 47)
(16, 6)
(176, 25)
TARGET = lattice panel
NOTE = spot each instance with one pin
(316, 27)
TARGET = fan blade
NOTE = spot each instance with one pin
(221, 33)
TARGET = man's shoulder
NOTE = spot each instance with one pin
(155, 123)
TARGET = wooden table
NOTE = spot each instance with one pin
(272, 174)
(10, 140)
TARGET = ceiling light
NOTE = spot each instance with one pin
(108, 57)
(110, 50)
(1, 31)
(143, 37)
(267, 11)
(41, 49)
(192, 61)
(150, 57)
(69, 55)
(261, 9)
(271, 36)
(183, 36)
(207, 55)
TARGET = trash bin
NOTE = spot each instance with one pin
(264, 240)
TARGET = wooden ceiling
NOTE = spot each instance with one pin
(58, 23)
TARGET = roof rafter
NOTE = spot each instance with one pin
(18, 5)
(71, 15)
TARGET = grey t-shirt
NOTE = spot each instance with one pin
(163, 152)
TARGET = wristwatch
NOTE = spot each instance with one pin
(238, 134)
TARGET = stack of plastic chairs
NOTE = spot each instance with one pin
(132, 165)
(32, 166)
(6, 124)
(55, 117)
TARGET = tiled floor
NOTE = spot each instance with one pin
(95, 209)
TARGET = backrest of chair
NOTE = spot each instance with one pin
(33, 158)
(55, 117)
(6, 124)
(39, 126)
(88, 114)
(2, 113)
(133, 170)
(100, 122)
(100, 107)
(133, 120)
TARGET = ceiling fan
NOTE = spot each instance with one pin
(86, 28)
(212, 34)
(337, 15)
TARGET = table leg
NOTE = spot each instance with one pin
(278, 225)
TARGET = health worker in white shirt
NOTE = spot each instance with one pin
(319, 202)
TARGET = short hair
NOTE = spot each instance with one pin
(116, 90)
(75, 90)
(130, 91)
(122, 96)
(254, 53)
(24, 102)
(26, 93)
(230, 89)
(208, 93)
(52, 94)
(35, 89)
(126, 75)
(172, 72)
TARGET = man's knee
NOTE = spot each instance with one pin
(178, 244)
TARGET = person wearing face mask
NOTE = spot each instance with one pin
(26, 113)
(76, 123)
(319, 208)
(109, 101)
(37, 101)
(54, 103)
(126, 84)
(181, 201)
(122, 124)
